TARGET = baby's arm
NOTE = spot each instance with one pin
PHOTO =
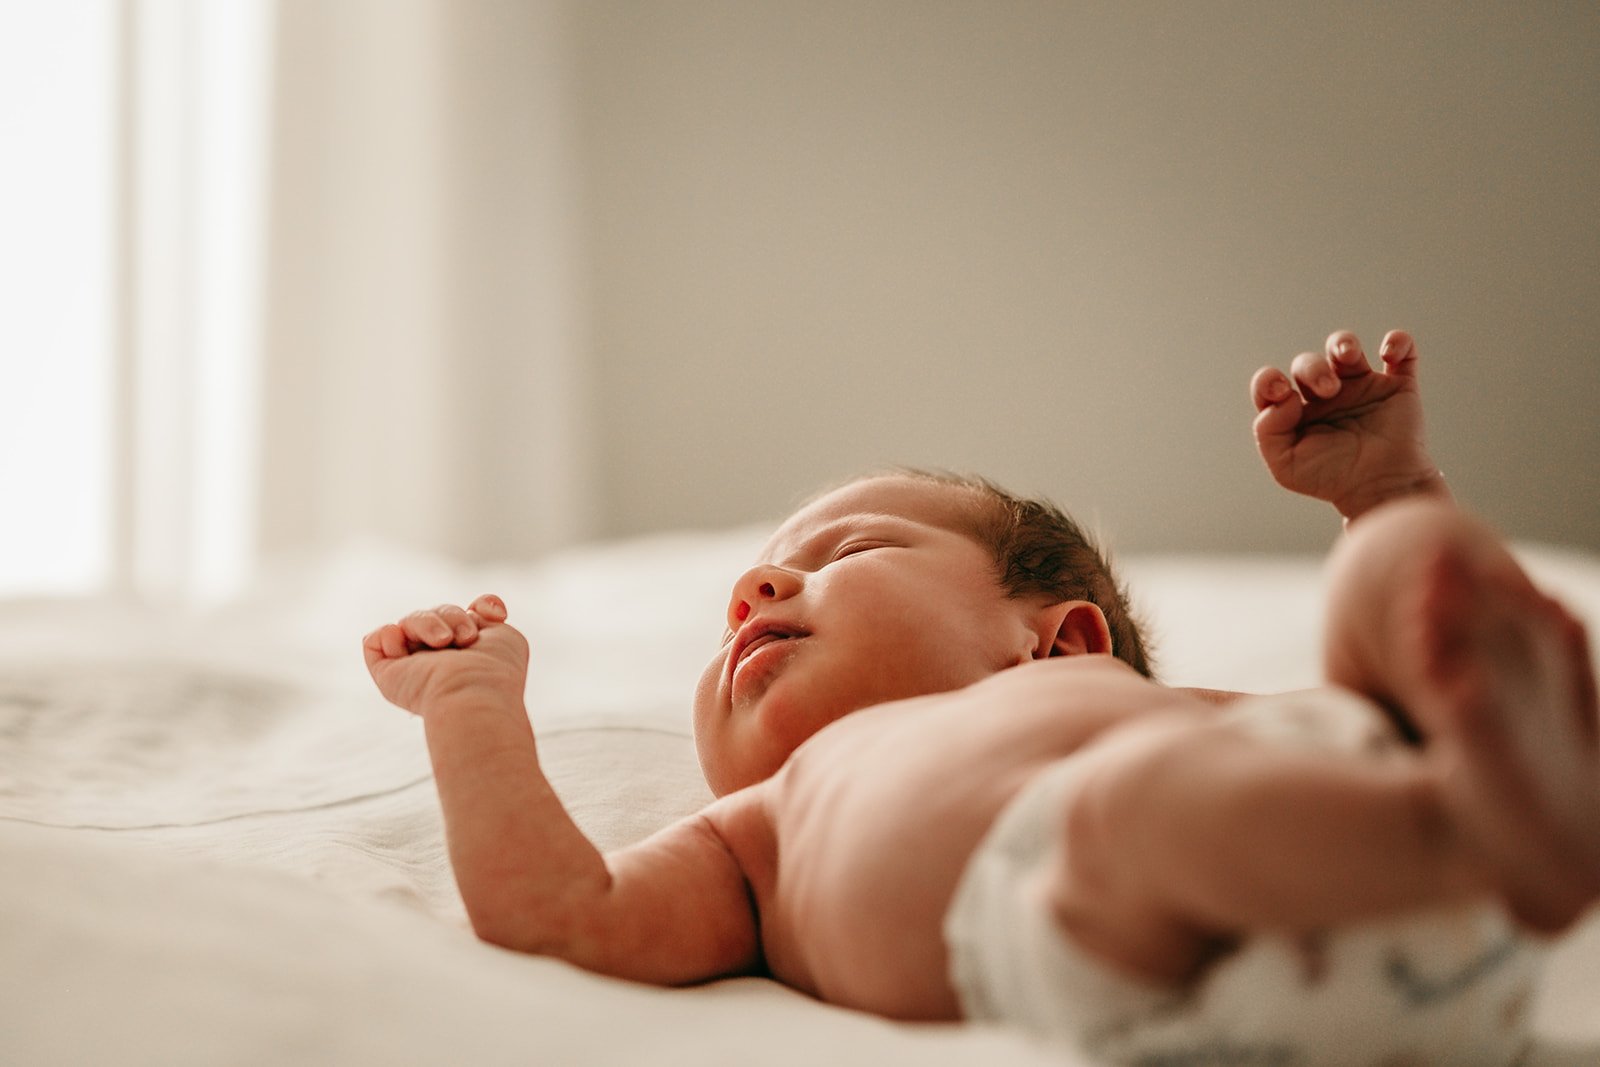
(1342, 432)
(671, 910)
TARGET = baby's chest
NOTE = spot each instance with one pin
(899, 796)
(894, 754)
(887, 808)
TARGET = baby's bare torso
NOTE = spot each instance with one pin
(854, 849)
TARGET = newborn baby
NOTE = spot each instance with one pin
(948, 788)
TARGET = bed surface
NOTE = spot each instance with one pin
(219, 844)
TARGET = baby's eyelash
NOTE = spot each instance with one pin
(853, 547)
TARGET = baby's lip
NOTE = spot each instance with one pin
(756, 633)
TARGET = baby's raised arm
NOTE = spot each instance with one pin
(672, 910)
(1342, 432)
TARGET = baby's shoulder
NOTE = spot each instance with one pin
(743, 820)
(1096, 675)
(1063, 701)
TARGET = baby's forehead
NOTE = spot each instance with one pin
(890, 498)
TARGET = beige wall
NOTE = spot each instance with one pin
(1050, 242)
(546, 269)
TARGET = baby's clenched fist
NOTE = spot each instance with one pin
(433, 656)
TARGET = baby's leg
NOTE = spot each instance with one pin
(1431, 615)
(1187, 832)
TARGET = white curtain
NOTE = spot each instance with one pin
(192, 116)
(423, 383)
(341, 295)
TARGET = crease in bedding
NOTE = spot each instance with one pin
(123, 746)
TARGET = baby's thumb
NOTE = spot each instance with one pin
(490, 607)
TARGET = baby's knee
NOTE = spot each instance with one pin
(1401, 530)
(1387, 547)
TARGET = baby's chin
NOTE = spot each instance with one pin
(724, 775)
(728, 764)
(751, 750)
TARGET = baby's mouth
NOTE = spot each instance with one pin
(746, 646)
(761, 642)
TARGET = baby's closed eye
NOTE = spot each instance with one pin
(852, 548)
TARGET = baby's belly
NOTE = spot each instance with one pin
(876, 819)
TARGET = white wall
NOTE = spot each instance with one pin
(1050, 242)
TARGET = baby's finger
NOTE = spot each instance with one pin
(386, 642)
(1276, 428)
(1345, 355)
(1279, 408)
(490, 607)
(1314, 375)
(394, 641)
(1269, 386)
(424, 629)
(372, 648)
(461, 625)
(1399, 353)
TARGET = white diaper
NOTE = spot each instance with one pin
(1443, 986)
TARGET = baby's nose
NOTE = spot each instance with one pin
(763, 582)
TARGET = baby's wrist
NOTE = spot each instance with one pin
(473, 697)
(1429, 482)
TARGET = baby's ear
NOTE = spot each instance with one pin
(1071, 628)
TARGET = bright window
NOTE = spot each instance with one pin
(57, 101)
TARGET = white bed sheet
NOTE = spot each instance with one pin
(218, 844)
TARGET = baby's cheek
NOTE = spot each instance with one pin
(705, 690)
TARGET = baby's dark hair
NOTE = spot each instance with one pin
(1041, 552)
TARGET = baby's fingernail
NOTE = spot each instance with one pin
(1277, 389)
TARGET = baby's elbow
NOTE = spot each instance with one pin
(507, 915)
(575, 935)
(507, 929)
(500, 934)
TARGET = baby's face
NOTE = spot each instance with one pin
(870, 594)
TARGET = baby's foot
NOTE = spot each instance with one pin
(1506, 696)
